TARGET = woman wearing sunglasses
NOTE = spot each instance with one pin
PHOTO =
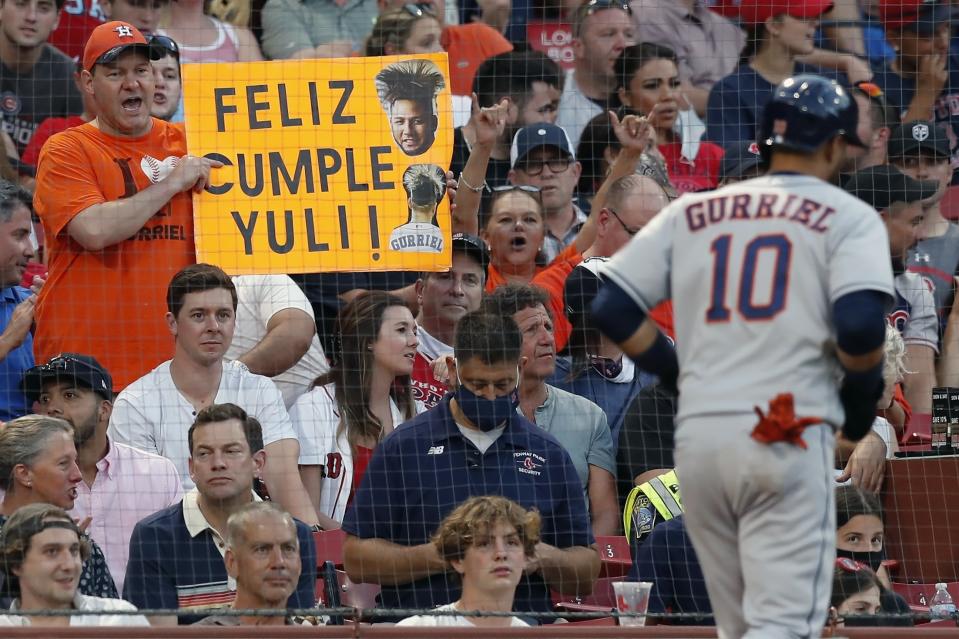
(407, 30)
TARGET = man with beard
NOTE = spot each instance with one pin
(898, 198)
(121, 484)
(532, 83)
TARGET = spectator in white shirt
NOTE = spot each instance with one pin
(156, 411)
(489, 542)
(121, 484)
(41, 556)
(275, 333)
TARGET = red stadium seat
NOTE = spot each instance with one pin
(602, 597)
(329, 547)
(615, 556)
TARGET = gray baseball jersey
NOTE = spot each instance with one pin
(915, 313)
(752, 270)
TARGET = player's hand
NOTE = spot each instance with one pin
(488, 123)
(932, 74)
(866, 466)
(857, 69)
(634, 132)
(192, 172)
(21, 321)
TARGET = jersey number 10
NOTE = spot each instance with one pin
(778, 244)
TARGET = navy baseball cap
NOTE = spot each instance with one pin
(740, 158)
(536, 135)
(882, 186)
(82, 370)
(472, 246)
(918, 135)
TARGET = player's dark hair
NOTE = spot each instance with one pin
(197, 278)
(507, 301)
(252, 430)
(848, 583)
(852, 502)
(492, 339)
(512, 74)
(11, 195)
(357, 330)
(635, 57)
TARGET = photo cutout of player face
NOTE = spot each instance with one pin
(425, 186)
(407, 92)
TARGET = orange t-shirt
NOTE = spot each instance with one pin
(552, 279)
(110, 303)
(468, 46)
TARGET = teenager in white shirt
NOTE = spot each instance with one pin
(489, 541)
(365, 395)
(42, 554)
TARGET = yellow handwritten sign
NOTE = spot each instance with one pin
(329, 165)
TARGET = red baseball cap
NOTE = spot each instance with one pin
(921, 16)
(109, 40)
(758, 11)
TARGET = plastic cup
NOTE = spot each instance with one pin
(632, 597)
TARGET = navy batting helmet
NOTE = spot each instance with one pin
(805, 112)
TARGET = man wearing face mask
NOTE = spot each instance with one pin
(472, 443)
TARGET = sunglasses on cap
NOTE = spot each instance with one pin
(419, 10)
(874, 92)
(593, 6)
(64, 362)
(164, 43)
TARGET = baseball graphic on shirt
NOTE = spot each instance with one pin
(156, 169)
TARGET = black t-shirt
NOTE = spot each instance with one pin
(47, 91)
(646, 438)
(496, 170)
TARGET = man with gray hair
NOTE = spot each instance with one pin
(263, 557)
(16, 303)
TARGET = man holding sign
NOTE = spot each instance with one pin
(114, 199)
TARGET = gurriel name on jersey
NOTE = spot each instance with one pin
(757, 206)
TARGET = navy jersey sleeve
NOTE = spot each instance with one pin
(305, 594)
(148, 582)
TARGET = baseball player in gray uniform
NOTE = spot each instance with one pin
(780, 286)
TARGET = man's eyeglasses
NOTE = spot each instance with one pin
(556, 165)
(629, 229)
(419, 10)
(164, 43)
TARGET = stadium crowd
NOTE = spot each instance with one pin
(173, 435)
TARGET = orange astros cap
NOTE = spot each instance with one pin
(109, 40)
